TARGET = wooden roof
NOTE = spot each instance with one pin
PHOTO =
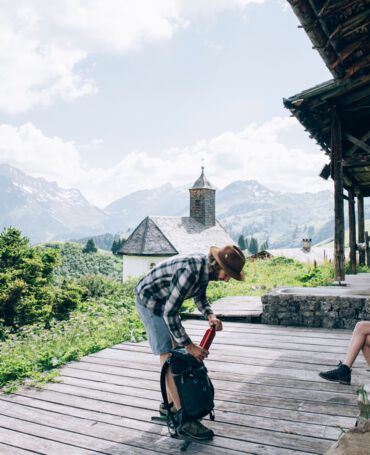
(339, 30)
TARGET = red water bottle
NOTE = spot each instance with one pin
(208, 338)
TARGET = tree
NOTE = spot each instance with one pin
(246, 243)
(27, 290)
(90, 247)
(241, 242)
(253, 245)
(264, 246)
(117, 245)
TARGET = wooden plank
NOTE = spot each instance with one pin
(293, 342)
(255, 353)
(152, 373)
(63, 418)
(266, 342)
(237, 327)
(220, 385)
(96, 433)
(240, 356)
(301, 372)
(11, 450)
(39, 445)
(269, 398)
(250, 371)
(119, 434)
(86, 407)
(227, 445)
(228, 401)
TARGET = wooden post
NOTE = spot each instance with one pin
(367, 240)
(336, 152)
(361, 228)
(352, 231)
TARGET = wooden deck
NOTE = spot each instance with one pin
(234, 308)
(269, 398)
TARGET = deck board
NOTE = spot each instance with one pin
(269, 398)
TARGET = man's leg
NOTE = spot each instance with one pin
(161, 343)
(171, 388)
(359, 341)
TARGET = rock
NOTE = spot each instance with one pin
(355, 442)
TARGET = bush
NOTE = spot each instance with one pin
(75, 264)
(27, 293)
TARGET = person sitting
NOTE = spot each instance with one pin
(360, 341)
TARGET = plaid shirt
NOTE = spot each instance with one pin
(167, 285)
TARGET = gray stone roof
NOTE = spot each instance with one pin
(202, 182)
(166, 236)
(147, 240)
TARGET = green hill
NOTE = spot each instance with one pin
(329, 243)
(75, 263)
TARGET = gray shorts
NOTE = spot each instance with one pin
(159, 336)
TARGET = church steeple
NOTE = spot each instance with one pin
(203, 201)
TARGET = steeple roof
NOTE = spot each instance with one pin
(202, 182)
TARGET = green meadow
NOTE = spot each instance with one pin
(48, 320)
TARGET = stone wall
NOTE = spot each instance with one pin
(314, 311)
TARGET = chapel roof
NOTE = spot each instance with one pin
(167, 236)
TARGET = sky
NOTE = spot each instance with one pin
(114, 96)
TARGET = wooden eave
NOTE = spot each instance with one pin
(351, 98)
(339, 30)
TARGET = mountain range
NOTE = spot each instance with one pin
(43, 211)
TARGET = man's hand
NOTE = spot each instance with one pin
(212, 319)
(197, 351)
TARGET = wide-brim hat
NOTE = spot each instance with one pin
(231, 259)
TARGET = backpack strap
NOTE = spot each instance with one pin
(171, 422)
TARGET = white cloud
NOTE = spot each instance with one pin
(254, 153)
(43, 42)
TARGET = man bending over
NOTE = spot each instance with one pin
(159, 297)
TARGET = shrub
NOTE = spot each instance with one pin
(27, 292)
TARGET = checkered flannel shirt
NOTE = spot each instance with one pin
(167, 285)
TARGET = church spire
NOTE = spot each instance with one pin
(202, 201)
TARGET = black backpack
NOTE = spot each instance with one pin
(194, 387)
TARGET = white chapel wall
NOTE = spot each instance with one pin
(135, 266)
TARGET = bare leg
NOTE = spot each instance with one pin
(360, 340)
(366, 350)
(172, 393)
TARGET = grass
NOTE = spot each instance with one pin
(108, 317)
(32, 354)
(264, 275)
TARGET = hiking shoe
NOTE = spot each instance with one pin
(196, 430)
(163, 411)
(341, 374)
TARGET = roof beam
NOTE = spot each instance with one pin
(358, 143)
(358, 161)
(346, 52)
(353, 149)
